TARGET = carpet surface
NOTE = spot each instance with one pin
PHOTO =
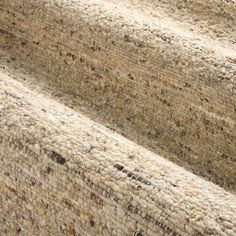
(63, 173)
(117, 117)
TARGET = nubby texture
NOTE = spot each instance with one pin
(162, 73)
(61, 174)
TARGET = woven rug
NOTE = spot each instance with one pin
(117, 117)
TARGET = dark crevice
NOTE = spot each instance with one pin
(57, 157)
(132, 175)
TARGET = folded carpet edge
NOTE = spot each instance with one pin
(71, 174)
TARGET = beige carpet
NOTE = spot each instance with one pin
(78, 76)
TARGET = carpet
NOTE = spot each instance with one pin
(117, 117)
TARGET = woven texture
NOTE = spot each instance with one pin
(161, 73)
(71, 174)
(99, 99)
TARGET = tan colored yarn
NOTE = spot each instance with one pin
(162, 73)
(63, 173)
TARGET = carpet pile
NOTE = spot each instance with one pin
(117, 117)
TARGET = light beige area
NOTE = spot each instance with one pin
(96, 96)
(162, 73)
(63, 174)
